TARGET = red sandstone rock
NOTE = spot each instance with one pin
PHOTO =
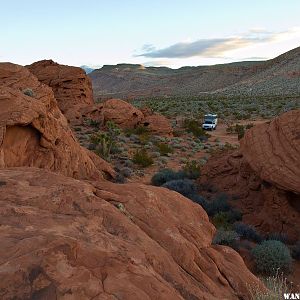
(158, 124)
(33, 131)
(66, 239)
(71, 86)
(264, 175)
(273, 151)
(122, 113)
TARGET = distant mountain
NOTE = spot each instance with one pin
(87, 69)
(278, 76)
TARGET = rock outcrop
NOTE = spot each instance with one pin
(122, 113)
(158, 124)
(34, 133)
(273, 151)
(264, 175)
(71, 86)
(66, 239)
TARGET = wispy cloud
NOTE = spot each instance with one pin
(217, 47)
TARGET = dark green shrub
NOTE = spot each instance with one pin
(138, 130)
(226, 237)
(247, 232)
(192, 169)
(219, 204)
(240, 130)
(28, 92)
(166, 175)
(185, 187)
(277, 236)
(221, 220)
(194, 127)
(234, 215)
(164, 149)
(295, 249)
(272, 256)
(142, 158)
(199, 200)
(94, 123)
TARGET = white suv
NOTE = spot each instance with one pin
(210, 122)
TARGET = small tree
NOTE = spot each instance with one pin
(106, 140)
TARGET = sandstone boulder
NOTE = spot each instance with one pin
(33, 131)
(158, 124)
(273, 151)
(122, 113)
(71, 86)
(66, 239)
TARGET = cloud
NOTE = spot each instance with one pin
(217, 47)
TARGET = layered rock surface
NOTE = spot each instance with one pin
(34, 133)
(264, 175)
(71, 86)
(66, 239)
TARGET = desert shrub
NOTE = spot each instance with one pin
(277, 236)
(240, 130)
(119, 178)
(199, 200)
(295, 251)
(137, 130)
(226, 237)
(218, 204)
(247, 232)
(166, 175)
(194, 127)
(126, 172)
(276, 286)
(192, 169)
(142, 158)
(234, 215)
(93, 123)
(272, 256)
(28, 92)
(104, 141)
(221, 220)
(185, 187)
(164, 149)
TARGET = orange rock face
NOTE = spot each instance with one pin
(273, 151)
(62, 238)
(264, 175)
(71, 86)
(158, 124)
(122, 113)
(33, 131)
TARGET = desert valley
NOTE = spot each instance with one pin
(150, 150)
(121, 199)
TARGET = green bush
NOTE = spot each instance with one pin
(296, 251)
(247, 232)
(28, 92)
(142, 158)
(185, 187)
(272, 256)
(226, 237)
(192, 169)
(194, 127)
(221, 220)
(166, 175)
(164, 149)
(105, 141)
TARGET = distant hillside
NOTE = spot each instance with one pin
(87, 69)
(278, 76)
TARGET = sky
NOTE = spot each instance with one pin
(172, 33)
